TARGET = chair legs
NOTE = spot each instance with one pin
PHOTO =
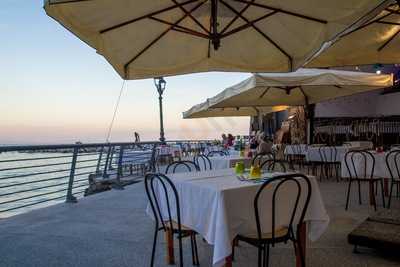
(180, 250)
(260, 256)
(300, 251)
(154, 246)
(390, 194)
(348, 194)
(266, 255)
(234, 244)
(359, 191)
(372, 192)
(195, 255)
(383, 193)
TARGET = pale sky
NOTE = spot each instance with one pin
(56, 89)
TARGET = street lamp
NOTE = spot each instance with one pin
(160, 85)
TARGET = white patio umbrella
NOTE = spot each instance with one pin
(143, 39)
(203, 110)
(376, 41)
(303, 87)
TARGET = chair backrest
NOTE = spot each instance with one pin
(274, 165)
(328, 154)
(203, 162)
(162, 194)
(364, 167)
(259, 158)
(216, 153)
(296, 204)
(392, 163)
(182, 166)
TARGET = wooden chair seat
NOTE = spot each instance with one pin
(175, 226)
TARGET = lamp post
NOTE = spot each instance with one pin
(160, 85)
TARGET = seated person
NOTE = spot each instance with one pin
(264, 144)
(230, 140)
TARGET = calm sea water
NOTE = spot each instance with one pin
(21, 164)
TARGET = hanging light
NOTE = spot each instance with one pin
(378, 68)
(160, 84)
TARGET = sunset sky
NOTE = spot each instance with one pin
(56, 89)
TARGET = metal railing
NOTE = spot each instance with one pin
(32, 176)
(41, 175)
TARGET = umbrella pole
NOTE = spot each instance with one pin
(310, 113)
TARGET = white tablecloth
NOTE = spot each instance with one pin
(172, 150)
(360, 144)
(226, 162)
(233, 152)
(218, 206)
(314, 155)
(296, 149)
(380, 171)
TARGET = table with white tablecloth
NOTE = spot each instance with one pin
(330, 154)
(172, 150)
(232, 152)
(300, 149)
(229, 161)
(218, 206)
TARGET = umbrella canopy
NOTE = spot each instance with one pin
(305, 86)
(376, 41)
(203, 110)
(143, 39)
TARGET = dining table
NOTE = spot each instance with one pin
(218, 206)
(170, 150)
(219, 162)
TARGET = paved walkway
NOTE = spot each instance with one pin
(112, 229)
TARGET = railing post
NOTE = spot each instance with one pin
(105, 175)
(99, 161)
(153, 160)
(118, 184)
(111, 158)
(70, 197)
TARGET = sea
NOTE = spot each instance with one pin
(29, 178)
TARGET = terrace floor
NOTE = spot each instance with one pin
(112, 229)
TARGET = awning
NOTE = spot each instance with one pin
(305, 86)
(376, 41)
(203, 110)
(145, 39)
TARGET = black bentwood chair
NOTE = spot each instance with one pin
(259, 158)
(182, 166)
(203, 162)
(296, 157)
(367, 161)
(392, 163)
(274, 165)
(154, 181)
(330, 162)
(264, 238)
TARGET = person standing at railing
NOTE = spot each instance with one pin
(137, 137)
